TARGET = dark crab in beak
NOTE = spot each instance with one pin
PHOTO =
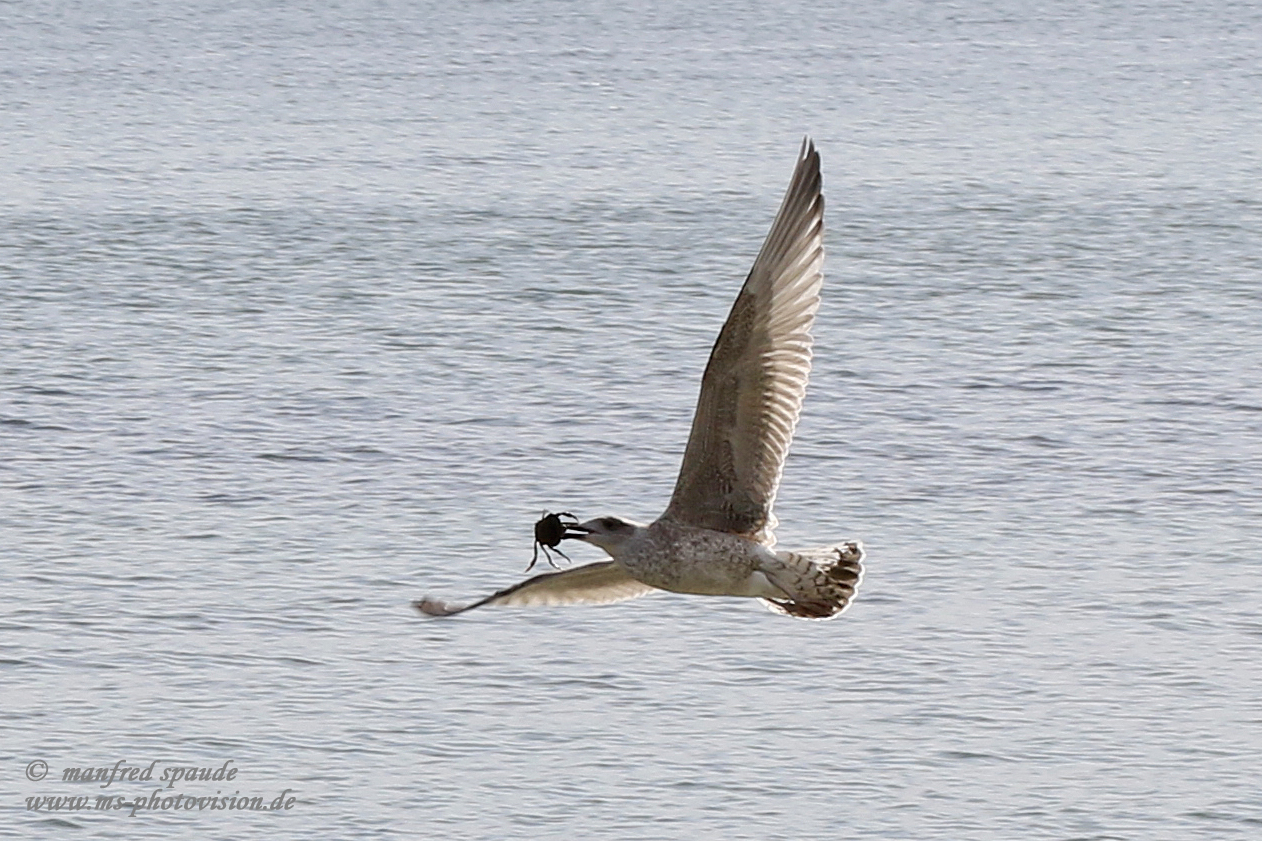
(550, 531)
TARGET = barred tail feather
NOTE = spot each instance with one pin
(820, 583)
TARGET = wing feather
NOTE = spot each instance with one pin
(753, 386)
(599, 583)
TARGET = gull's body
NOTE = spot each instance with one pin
(716, 535)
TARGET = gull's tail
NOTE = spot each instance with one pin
(819, 583)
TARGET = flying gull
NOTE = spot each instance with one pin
(715, 538)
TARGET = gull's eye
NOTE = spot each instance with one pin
(610, 523)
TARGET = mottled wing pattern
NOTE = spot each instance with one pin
(598, 583)
(752, 390)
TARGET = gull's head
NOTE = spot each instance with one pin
(609, 533)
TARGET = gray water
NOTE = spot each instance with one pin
(309, 311)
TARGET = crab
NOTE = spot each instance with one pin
(549, 532)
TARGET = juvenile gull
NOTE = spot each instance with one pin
(716, 537)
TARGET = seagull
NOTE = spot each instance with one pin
(716, 537)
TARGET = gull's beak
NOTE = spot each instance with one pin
(575, 533)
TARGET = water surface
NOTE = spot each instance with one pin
(311, 311)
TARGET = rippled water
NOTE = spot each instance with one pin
(311, 311)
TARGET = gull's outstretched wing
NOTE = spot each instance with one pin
(598, 583)
(753, 386)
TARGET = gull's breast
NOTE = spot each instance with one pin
(687, 559)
